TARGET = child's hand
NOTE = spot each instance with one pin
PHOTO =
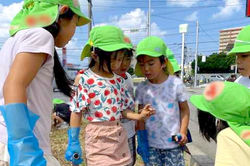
(146, 112)
(183, 140)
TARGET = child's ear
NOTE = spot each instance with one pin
(165, 63)
(94, 56)
(63, 9)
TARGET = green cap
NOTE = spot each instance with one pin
(42, 13)
(107, 38)
(242, 42)
(155, 47)
(128, 42)
(57, 101)
(172, 59)
(219, 100)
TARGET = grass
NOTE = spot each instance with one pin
(59, 142)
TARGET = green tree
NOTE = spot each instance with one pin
(215, 63)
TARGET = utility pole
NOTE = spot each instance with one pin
(196, 54)
(149, 17)
(183, 29)
(89, 15)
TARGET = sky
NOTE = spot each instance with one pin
(166, 16)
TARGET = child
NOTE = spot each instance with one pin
(174, 62)
(61, 114)
(28, 62)
(165, 93)
(219, 101)
(103, 98)
(242, 50)
(129, 125)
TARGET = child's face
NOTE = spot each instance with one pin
(151, 67)
(66, 32)
(116, 60)
(243, 64)
(124, 65)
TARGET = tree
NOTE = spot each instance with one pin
(215, 63)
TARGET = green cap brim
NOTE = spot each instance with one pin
(240, 49)
(86, 50)
(200, 102)
(82, 19)
(138, 72)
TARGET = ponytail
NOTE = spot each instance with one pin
(62, 80)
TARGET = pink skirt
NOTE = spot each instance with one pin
(106, 144)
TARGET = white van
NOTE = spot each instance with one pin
(216, 77)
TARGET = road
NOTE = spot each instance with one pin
(202, 151)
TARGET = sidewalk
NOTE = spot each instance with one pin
(198, 158)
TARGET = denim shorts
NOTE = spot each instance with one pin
(166, 157)
(132, 148)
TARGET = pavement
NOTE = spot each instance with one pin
(202, 151)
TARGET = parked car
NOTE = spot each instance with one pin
(216, 77)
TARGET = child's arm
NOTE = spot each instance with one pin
(185, 113)
(74, 146)
(144, 113)
(140, 125)
(75, 119)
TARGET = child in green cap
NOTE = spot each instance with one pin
(103, 98)
(233, 139)
(28, 64)
(129, 125)
(242, 50)
(166, 93)
(174, 62)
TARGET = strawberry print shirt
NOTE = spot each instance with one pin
(101, 99)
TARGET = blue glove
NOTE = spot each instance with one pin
(74, 151)
(143, 148)
(23, 146)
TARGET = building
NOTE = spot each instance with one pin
(227, 38)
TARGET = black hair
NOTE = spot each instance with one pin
(104, 58)
(128, 52)
(207, 124)
(62, 80)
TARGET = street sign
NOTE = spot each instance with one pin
(248, 8)
(203, 58)
(183, 28)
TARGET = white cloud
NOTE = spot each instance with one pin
(134, 25)
(192, 17)
(231, 6)
(6, 15)
(184, 3)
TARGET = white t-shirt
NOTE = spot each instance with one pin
(129, 125)
(39, 92)
(164, 98)
(244, 81)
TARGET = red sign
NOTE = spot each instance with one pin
(248, 8)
